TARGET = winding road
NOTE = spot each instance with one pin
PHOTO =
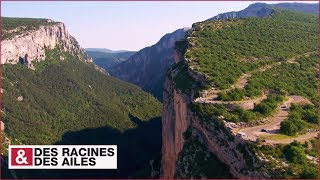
(293, 59)
(271, 128)
(240, 84)
(212, 101)
(301, 138)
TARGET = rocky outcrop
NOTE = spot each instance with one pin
(31, 45)
(259, 10)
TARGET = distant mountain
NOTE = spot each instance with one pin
(300, 7)
(263, 10)
(105, 50)
(147, 68)
(107, 60)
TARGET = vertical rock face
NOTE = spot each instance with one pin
(175, 121)
(31, 45)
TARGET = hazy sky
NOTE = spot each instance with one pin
(122, 25)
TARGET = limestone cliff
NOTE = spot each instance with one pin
(30, 45)
(175, 121)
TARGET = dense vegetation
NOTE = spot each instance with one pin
(223, 50)
(183, 80)
(68, 95)
(108, 60)
(298, 79)
(298, 165)
(300, 119)
(15, 26)
(232, 95)
(269, 105)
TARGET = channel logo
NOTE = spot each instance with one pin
(21, 156)
(62, 157)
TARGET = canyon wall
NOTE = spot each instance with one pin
(178, 117)
(175, 121)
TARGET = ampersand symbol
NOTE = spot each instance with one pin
(20, 159)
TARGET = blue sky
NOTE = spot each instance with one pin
(122, 25)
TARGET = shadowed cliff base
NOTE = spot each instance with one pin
(136, 148)
(205, 164)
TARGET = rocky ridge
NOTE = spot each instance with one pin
(262, 10)
(30, 46)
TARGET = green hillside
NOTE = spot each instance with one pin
(67, 96)
(70, 102)
(223, 50)
(279, 53)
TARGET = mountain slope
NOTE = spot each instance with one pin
(147, 67)
(263, 10)
(277, 56)
(65, 95)
(73, 103)
(108, 60)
